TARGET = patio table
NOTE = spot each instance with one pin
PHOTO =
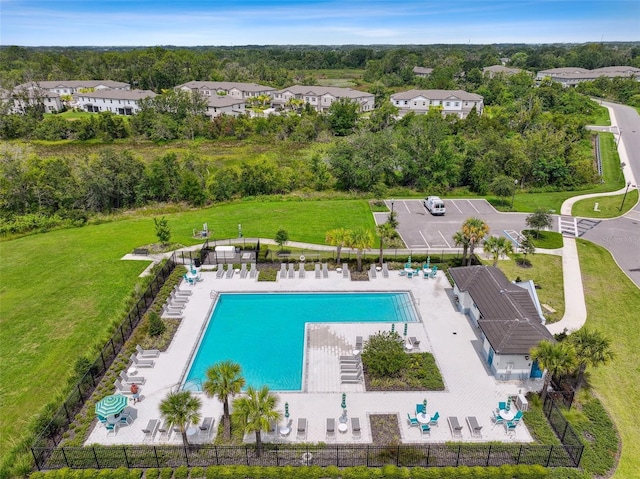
(508, 415)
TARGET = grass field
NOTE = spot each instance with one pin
(61, 290)
(608, 206)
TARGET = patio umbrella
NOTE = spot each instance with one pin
(344, 401)
(286, 410)
(111, 405)
(428, 261)
(393, 327)
(406, 326)
(424, 406)
(508, 403)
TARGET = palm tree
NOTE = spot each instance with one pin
(592, 349)
(256, 410)
(556, 358)
(385, 231)
(461, 240)
(360, 239)
(496, 247)
(337, 237)
(224, 379)
(180, 409)
(475, 229)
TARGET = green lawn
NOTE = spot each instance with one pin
(608, 206)
(60, 291)
(613, 302)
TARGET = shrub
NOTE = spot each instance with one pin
(384, 355)
(181, 472)
(152, 473)
(197, 472)
(156, 325)
(166, 473)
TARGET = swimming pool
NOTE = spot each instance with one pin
(264, 333)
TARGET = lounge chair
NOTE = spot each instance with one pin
(385, 270)
(283, 270)
(150, 430)
(220, 272)
(273, 430)
(345, 270)
(171, 313)
(302, 428)
(474, 427)
(412, 421)
(142, 363)
(164, 431)
(331, 428)
(230, 271)
(147, 353)
(410, 274)
(243, 270)
(292, 271)
(179, 292)
(177, 299)
(205, 427)
(122, 388)
(301, 270)
(454, 425)
(351, 378)
(433, 421)
(253, 271)
(102, 419)
(372, 271)
(402, 272)
(325, 271)
(128, 381)
(350, 369)
(355, 359)
(425, 429)
(358, 343)
(356, 433)
(317, 271)
(414, 342)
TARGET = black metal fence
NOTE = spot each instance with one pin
(342, 455)
(568, 437)
(52, 430)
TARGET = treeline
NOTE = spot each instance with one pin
(159, 68)
(535, 135)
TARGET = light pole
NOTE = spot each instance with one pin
(392, 202)
(625, 195)
(513, 197)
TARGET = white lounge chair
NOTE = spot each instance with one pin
(128, 381)
(206, 427)
(358, 343)
(253, 272)
(301, 270)
(150, 430)
(230, 271)
(243, 270)
(283, 270)
(355, 428)
(372, 271)
(142, 363)
(414, 342)
(147, 353)
(385, 270)
(345, 270)
(317, 271)
(302, 428)
(331, 428)
(292, 271)
(180, 292)
(122, 388)
(220, 272)
(325, 270)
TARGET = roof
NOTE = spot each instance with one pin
(501, 69)
(118, 94)
(422, 70)
(225, 85)
(509, 318)
(316, 90)
(49, 85)
(437, 95)
(222, 101)
(577, 73)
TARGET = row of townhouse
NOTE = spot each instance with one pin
(571, 76)
(449, 102)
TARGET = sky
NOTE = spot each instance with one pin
(313, 22)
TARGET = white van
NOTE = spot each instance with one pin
(434, 205)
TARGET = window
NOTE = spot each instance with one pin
(415, 103)
(448, 103)
(457, 103)
(424, 103)
(406, 102)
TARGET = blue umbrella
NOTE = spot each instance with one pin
(111, 405)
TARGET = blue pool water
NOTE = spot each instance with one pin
(264, 333)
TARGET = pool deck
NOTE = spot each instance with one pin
(469, 388)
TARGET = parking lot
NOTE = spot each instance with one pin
(419, 229)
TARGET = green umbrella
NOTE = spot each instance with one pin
(111, 405)
(344, 401)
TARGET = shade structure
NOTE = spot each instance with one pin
(111, 405)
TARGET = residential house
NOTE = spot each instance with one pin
(508, 317)
(70, 87)
(494, 70)
(224, 105)
(450, 102)
(237, 90)
(571, 76)
(20, 99)
(321, 97)
(120, 102)
(422, 72)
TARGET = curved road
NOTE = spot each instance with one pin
(621, 236)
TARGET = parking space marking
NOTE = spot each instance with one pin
(425, 239)
(471, 204)
(632, 217)
(443, 239)
(454, 204)
(405, 205)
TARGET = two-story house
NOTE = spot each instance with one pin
(237, 90)
(120, 102)
(321, 97)
(494, 70)
(70, 87)
(225, 105)
(422, 72)
(571, 76)
(449, 102)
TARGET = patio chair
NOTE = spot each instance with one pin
(283, 270)
(497, 419)
(351, 378)
(141, 363)
(372, 271)
(122, 388)
(345, 270)
(502, 405)
(176, 300)
(325, 271)
(350, 360)
(147, 353)
(331, 428)
(385, 270)
(179, 292)
(205, 427)
(317, 270)
(434, 270)
(433, 421)
(420, 409)
(102, 419)
(253, 271)
(170, 313)
(128, 381)
(414, 342)
(150, 430)
(402, 272)
(220, 272)
(350, 368)
(302, 428)
(356, 433)
(188, 280)
(412, 421)
(243, 270)
(425, 429)
(474, 427)
(301, 270)
(454, 425)
(125, 418)
(358, 343)
(164, 431)
(409, 274)
(112, 429)
(230, 271)
(517, 417)
(510, 427)
(292, 271)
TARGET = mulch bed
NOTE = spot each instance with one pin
(384, 429)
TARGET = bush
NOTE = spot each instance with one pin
(152, 473)
(166, 473)
(156, 325)
(181, 472)
(197, 473)
(384, 355)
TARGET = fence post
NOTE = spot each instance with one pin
(549, 456)
(65, 456)
(566, 425)
(80, 392)
(398, 455)
(66, 411)
(35, 459)
(155, 453)
(215, 448)
(458, 458)
(186, 454)
(246, 454)
(96, 457)
(519, 454)
(488, 455)
(126, 459)
(368, 449)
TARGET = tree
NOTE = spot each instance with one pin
(539, 219)
(460, 239)
(180, 409)
(360, 239)
(555, 358)
(475, 229)
(384, 355)
(343, 115)
(503, 187)
(386, 232)
(496, 247)
(337, 237)
(592, 349)
(224, 379)
(281, 238)
(256, 410)
(163, 232)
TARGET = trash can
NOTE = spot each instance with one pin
(197, 262)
